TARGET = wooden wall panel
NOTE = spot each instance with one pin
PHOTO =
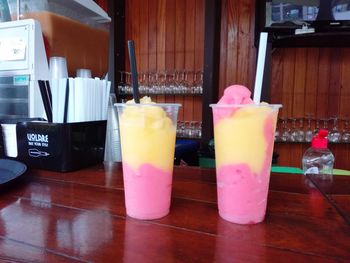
(245, 40)
(161, 27)
(223, 45)
(277, 79)
(311, 81)
(323, 83)
(300, 66)
(287, 84)
(198, 56)
(151, 28)
(168, 35)
(190, 13)
(344, 107)
(237, 51)
(314, 82)
(144, 38)
(232, 44)
(180, 28)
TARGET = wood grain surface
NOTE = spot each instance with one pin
(80, 217)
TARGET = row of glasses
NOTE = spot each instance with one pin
(303, 129)
(163, 82)
(189, 129)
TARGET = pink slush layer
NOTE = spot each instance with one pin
(147, 191)
(242, 194)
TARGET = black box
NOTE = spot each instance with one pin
(61, 147)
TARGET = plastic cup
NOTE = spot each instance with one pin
(147, 134)
(244, 140)
(83, 73)
(9, 139)
(58, 67)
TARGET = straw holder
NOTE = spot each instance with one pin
(61, 147)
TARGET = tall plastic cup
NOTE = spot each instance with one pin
(58, 67)
(147, 135)
(244, 140)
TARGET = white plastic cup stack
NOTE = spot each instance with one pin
(58, 67)
(9, 139)
(112, 146)
(83, 73)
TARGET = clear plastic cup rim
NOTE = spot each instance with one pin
(174, 105)
(230, 106)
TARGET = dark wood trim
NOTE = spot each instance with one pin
(265, 92)
(211, 67)
(111, 60)
(118, 41)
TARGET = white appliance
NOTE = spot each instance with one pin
(22, 62)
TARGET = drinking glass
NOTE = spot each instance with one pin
(168, 83)
(335, 135)
(308, 133)
(179, 130)
(128, 86)
(300, 136)
(143, 85)
(199, 127)
(278, 130)
(346, 133)
(152, 80)
(325, 124)
(183, 85)
(187, 126)
(285, 130)
(199, 89)
(121, 84)
(293, 131)
(317, 125)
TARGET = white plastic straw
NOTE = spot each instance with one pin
(260, 67)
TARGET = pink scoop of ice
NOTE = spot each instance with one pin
(235, 94)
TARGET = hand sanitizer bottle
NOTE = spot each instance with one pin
(318, 159)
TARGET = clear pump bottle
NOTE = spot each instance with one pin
(318, 159)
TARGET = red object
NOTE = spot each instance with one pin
(319, 141)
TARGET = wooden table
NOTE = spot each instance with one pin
(80, 217)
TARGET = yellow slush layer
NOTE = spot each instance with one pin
(236, 135)
(147, 136)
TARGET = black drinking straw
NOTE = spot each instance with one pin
(134, 77)
(48, 90)
(66, 100)
(46, 100)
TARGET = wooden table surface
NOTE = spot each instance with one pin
(80, 217)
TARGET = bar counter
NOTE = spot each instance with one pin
(80, 217)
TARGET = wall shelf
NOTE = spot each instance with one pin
(161, 94)
(321, 39)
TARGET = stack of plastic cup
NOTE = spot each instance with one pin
(83, 73)
(9, 139)
(58, 67)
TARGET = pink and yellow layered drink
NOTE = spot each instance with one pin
(148, 133)
(244, 139)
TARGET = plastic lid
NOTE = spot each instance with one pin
(319, 141)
